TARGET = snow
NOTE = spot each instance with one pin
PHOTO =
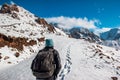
(22, 27)
(79, 61)
(111, 34)
(25, 27)
(112, 43)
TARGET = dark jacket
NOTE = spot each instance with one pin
(57, 60)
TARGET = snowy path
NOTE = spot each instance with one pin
(22, 71)
(68, 63)
(80, 61)
(18, 72)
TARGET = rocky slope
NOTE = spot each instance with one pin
(83, 33)
(21, 33)
(80, 33)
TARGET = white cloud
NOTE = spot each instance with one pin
(70, 22)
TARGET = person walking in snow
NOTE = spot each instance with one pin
(47, 64)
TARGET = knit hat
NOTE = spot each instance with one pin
(49, 43)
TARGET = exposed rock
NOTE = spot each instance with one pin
(41, 21)
(45, 24)
(99, 46)
(5, 9)
(15, 42)
(114, 78)
(9, 62)
(32, 42)
(14, 8)
(6, 57)
(17, 54)
(14, 15)
(9, 8)
(41, 39)
(118, 67)
(51, 28)
(0, 57)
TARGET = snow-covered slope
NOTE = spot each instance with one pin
(112, 43)
(113, 34)
(21, 34)
(80, 33)
(111, 38)
(81, 60)
(24, 25)
(84, 33)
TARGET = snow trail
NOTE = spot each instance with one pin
(68, 63)
(22, 70)
(18, 72)
(79, 62)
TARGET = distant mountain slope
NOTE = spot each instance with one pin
(83, 33)
(113, 34)
(111, 38)
(80, 33)
(112, 43)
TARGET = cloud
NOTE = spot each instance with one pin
(70, 22)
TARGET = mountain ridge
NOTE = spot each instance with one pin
(21, 31)
(113, 34)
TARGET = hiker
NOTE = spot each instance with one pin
(46, 65)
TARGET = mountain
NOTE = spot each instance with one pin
(112, 43)
(111, 38)
(21, 33)
(113, 34)
(80, 33)
(83, 33)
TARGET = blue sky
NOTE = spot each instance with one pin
(103, 13)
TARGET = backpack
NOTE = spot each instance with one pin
(43, 64)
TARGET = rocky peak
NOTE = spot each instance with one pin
(42, 22)
(19, 27)
(83, 33)
(24, 16)
(9, 8)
